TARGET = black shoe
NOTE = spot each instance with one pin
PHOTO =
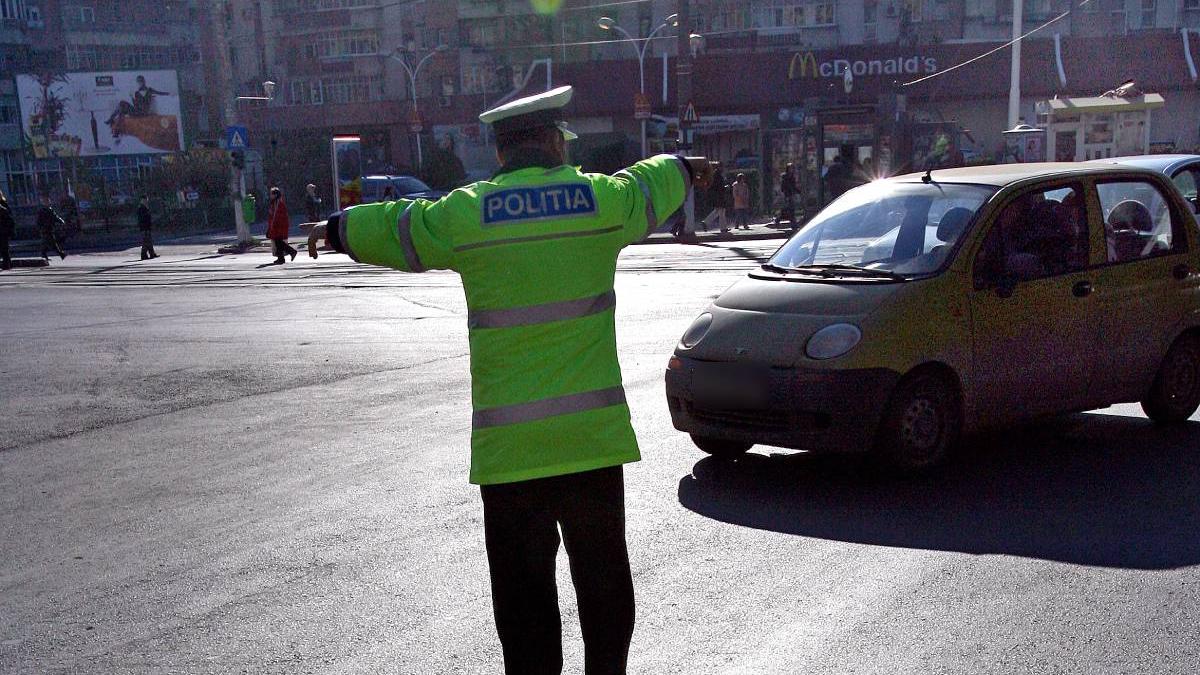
(293, 254)
(153, 255)
(279, 261)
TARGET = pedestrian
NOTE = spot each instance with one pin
(312, 203)
(741, 202)
(69, 208)
(536, 247)
(718, 199)
(8, 229)
(789, 188)
(278, 226)
(146, 225)
(47, 220)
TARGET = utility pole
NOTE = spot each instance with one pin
(683, 96)
(220, 46)
(1014, 87)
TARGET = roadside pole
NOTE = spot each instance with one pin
(683, 97)
(225, 76)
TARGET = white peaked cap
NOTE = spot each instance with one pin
(542, 109)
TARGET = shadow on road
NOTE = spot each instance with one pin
(1089, 489)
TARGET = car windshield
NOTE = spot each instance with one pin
(886, 228)
(407, 185)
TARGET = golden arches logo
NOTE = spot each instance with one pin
(801, 65)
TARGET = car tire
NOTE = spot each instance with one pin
(721, 448)
(1175, 394)
(920, 426)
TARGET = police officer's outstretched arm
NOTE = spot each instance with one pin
(656, 187)
(407, 235)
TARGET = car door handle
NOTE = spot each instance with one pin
(1181, 271)
(1082, 289)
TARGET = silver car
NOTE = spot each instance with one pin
(1184, 171)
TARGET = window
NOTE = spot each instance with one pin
(9, 114)
(1040, 234)
(1188, 182)
(341, 43)
(785, 14)
(887, 229)
(1191, 4)
(911, 10)
(1149, 12)
(1137, 221)
(12, 9)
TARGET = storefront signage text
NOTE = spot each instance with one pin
(805, 64)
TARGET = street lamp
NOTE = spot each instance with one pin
(412, 83)
(607, 23)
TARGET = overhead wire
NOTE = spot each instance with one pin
(1002, 47)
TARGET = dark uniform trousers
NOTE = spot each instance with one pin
(521, 528)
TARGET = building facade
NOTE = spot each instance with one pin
(60, 37)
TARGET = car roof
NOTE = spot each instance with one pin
(380, 176)
(1000, 175)
(1160, 163)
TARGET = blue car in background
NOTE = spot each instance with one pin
(407, 187)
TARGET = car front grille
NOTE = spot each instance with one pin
(773, 421)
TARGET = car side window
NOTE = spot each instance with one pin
(1188, 182)
(1138, 221)
(1040, 234)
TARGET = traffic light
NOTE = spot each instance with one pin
(238, 158)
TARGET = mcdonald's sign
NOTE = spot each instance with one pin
(802, 64)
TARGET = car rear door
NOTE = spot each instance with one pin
(1145, 286)
(1032, 310)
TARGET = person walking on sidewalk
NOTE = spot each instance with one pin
(312, 203)
(741, 202)
(8, 228)
(146, 225)
(278, 225)
(789, 189)
(47, 219)
(718, 199)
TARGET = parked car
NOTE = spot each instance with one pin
(407, 187)
(1184, 171)
(1004, 293)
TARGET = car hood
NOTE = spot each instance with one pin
(769, 321)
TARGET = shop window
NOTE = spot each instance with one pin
(912, 10)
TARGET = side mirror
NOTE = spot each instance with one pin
(1195, 202)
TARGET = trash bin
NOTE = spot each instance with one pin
(249, 212)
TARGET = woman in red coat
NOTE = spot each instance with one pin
(278, 226)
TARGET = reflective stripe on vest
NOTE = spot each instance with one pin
(543, 313)
(651, 215)
(540, 237)
(550, 407)
(404, 226)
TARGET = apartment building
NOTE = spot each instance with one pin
(118, 39)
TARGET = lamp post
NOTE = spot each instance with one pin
(412, 84)
(606, 23)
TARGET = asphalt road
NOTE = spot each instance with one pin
(208, 466)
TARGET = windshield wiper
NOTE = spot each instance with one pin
(849, 270)
(771, 267)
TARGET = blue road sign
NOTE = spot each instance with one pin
(236, 138)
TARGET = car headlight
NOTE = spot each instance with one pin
(696, 332)
(833, 341)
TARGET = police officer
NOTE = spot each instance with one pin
(536, 247)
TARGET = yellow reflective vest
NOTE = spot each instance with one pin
(537, 250)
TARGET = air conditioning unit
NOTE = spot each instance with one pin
(33, 18)
(444, 101)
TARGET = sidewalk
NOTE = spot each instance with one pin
(757, 231)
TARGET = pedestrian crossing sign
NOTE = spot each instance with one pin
(236, 138)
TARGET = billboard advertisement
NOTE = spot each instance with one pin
(96, 114)
(347, 170)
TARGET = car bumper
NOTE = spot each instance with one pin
(805, 409)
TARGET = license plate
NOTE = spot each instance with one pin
(739, 388)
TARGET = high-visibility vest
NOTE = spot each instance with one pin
(537, 251)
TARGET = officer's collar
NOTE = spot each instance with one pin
(528, 158)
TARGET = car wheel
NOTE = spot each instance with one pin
(1175, 394)
(721, 448)
(920, 425)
